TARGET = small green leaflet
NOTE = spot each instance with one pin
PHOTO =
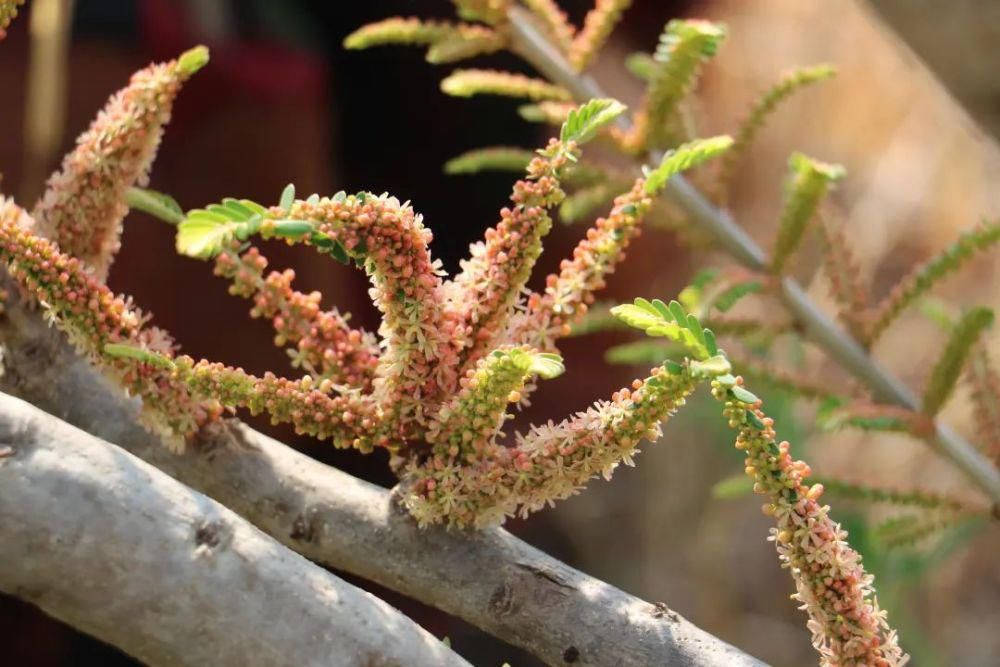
(193, 60)
(205, 232)
(744, 396)
(669, 321)
(293, 229)
(124, 351)
(584, 121)
(287, 198)
(683, 158)
(711, 367)
(202, 237)
(156, 204)
(493, 158)
(546, 365)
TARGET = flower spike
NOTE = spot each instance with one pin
(469, 423)
(835, 591)
(486, 290)
(555, 21)
(389, 240)
(446, 42)
(85, 202)
(548, 463)
(324, 343)
(93, 317)
(567, 295)
(597, 27)
(763, 108)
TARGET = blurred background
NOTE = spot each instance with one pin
(913, 115)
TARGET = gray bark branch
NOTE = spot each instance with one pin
(490, 578)
(111, 545)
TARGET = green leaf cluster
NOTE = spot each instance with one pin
(670, 321)
(684, 46)
(964, 336)
(685, 157)
(808, 182)
(585, 121)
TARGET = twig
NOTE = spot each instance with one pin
(111, 545)
(490, 579)
(533, 46)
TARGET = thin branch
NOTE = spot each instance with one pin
(824, 331)
(490, 578)
(111, 545)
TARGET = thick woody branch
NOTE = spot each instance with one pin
(111, 545)
(491, 579)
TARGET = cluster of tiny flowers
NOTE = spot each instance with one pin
(473, 417)
(320, 410)
(324, 343)
(8, 12)
(437, 392)
(497, 270)
(84, 203)
(93, 317)
(567, 295)
(483, 482)
(419, 356)
(849, 629)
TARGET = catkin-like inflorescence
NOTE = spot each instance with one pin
(548, 315)
(491, 280)
(324, 343)
(845, 276)
(8, 12)
(93, 317)
(470, 421)
(548, 463)
(555, 20)
(318, 409)
(419, 338)
(835, 591)
(762, 109)
(84, 202)
(446, 41)
(985, 382)
(981, 238)
(597, 27)
(469, 82)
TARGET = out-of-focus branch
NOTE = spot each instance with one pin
(491, 579)
(533, 46)
(111, 545)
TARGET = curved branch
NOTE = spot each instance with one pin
(490, 578)
(111, 545)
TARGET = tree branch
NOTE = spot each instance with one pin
(491, 579)
(533, 46)
(111, 545)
